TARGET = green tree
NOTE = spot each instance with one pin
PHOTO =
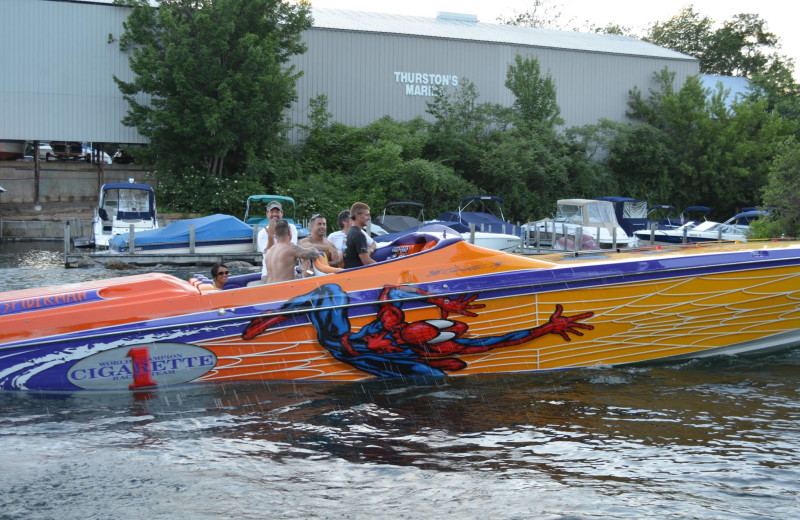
(782, 192)
(742, 46)
(542, 13)
(717, 155)
(462, 128)
(534, 95)
(211, 79)
(529, 163)
(379, 163)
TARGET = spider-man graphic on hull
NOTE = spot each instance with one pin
(389, 346)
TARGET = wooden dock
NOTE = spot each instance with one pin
(81, 259)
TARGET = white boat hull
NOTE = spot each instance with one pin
(11, 150)
(496, 241)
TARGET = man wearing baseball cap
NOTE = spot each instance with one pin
(266, 235)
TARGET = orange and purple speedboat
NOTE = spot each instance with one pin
(432, 305)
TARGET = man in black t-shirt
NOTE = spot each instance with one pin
(356, 251)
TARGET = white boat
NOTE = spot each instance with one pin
(497, 241)
(590, 222)
(490, 231)
(122, 205)
(11, 150)
(735, 228)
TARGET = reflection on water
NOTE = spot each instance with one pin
(712, 439)
(703, 439)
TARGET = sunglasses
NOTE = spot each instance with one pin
(223, 273)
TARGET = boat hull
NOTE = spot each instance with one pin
(11, 150)
(677, 237)
(454, 310)
(496, 241)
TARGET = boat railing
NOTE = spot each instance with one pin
(547, 234)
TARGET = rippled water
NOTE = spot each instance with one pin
(717, 438)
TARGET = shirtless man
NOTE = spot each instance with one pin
(283, 255)
(317, 240)
(266, 235)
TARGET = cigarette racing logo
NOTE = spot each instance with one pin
(141, 366)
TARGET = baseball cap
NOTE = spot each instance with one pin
(274, 204)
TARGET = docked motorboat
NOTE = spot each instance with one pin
(691, 215)
(482, 228)
(735, 228)
(632, 214)
(432, 305)
(480, 219)
(398, 217)
(487, 239)
(583, 224)
(211, 234)
(122, 205)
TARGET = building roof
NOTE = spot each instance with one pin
(466, 27)
(737, 88)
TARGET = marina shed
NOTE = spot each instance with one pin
(59, 57)
(372, 64)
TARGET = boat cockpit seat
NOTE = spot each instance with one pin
(405, 246)
(204, 286)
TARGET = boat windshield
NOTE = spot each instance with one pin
(133, 200)
(569, 213)
(634, 209)
(708, 225)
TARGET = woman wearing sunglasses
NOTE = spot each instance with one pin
(219, 274)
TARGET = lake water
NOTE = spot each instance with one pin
(711, 439)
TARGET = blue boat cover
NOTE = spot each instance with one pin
(212, 228)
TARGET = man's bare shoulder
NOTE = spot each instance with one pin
(305, 252)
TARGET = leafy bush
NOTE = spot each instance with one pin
(192, 191)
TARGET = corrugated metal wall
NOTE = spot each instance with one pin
(357, 71)
(57, 66)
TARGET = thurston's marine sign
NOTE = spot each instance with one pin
(424, 83)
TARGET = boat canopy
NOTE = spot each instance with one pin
(266, 199)
(586, 212)
(631, 213)
(394, 223)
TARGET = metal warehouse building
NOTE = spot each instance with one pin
(59, 57)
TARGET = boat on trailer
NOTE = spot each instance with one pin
(432, 305)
